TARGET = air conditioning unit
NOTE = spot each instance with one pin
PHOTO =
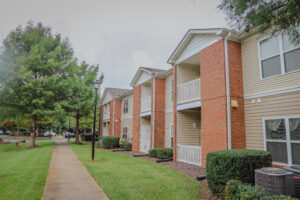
(295, 169)
(275, 181)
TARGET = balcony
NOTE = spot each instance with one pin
(145, 105)
(106, 113)
(189, 91)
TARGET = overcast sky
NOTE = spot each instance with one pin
(120, 35)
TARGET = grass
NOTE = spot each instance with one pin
(23, 172)
(124, 177)
(24, 137)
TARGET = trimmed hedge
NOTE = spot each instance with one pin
(161, 153)
(127, 146)
(238, 164)
(88, 137)
(110, 142)
(236, 190)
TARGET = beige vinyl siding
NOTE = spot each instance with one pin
(105, 129)
(187, 72)
(251, 71)
(130, 107)
(127, 123)
(186, 134)
(270, 106)
(168, 97)
(168, 122)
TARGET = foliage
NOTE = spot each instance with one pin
(161, 153)
(122, 142)
(88, 137)
(110, 142)
(238, 164)
(123, 177)
(274, 16)
(236, 190)
(35, 67)
(127, 146)
(24, 171)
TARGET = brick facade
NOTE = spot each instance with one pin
(159, 113)
(136, 118)
(117, 118)
(100, 126)
(111, 117)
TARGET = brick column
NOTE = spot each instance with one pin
(175, 113)
(213, 99)
(111, 117)
(238, 133)
(100, 129)
(117, 122)
(136, 118)
(159, 113)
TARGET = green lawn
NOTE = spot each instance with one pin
(125, 177)
(25, 137)
(23, 172)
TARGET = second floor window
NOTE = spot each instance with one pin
(125, 130)
(278, 56)
(125, 106)
(172, 90)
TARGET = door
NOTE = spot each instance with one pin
(145, 138)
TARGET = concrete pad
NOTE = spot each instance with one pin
(68, 179)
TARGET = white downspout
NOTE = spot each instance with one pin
(227, 91)
(113, 127)
(153, 115)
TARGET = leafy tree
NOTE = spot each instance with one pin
(81, 100)
(35, 67)
(274, 16)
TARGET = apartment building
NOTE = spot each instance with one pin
(127, 115)
(225, 90)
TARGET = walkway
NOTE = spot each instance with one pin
(68, 179)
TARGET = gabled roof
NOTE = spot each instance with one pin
(148, 70)
(114, 92)
(221, 32)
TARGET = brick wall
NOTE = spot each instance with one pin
(136, 118)
(159, 127)
(100, 128)
(213, 99)
(111, 117)
(117, 120)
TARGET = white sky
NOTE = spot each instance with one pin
(120, 35)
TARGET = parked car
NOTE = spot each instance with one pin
(50, 133)
(68, 134)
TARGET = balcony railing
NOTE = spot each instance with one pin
(146, 104)
(189, 91)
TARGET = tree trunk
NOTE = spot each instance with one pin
(77, 128)
(33, 130)
(37, 131)
(18, 129)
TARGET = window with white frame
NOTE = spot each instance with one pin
(282, 139)
(278, 56)
(125, 106)
(172, 89)
(125, 131)
(171, 134)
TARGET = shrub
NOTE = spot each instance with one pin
(122, 142)
(110, 142)
(161, 153)
(88, 137)
(235, 190)
(238, 164)
(127, 146)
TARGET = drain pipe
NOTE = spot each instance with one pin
(227, 91)
(153, 107)
(113, 124)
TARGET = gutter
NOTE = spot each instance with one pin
(153, 107)
(227, 91)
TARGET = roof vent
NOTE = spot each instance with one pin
(275, 181)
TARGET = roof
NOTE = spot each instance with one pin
(114, 92)
(220, 32)
(150, 71)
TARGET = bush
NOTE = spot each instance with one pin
(88, 137)
(161, 153)
(110, 142)
(127, 146)
(235, 190)
(238, 164)
(122, 143)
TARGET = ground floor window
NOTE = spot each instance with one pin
(171, 135)
(282, 139)
(125, 130)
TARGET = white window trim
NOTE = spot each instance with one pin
(281, 55)
(287, 141)
(124, 106)
(171, 124)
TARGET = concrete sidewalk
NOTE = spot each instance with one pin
(68, 179)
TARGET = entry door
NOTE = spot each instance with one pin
(145, 138)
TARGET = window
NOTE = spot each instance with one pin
(282, 139)
(125, 106)
(124, 135)
(278, 56)
(171, 135)
(172, 89)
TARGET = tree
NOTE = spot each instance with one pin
(268, 16)
(81, 100)
(35, 67)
